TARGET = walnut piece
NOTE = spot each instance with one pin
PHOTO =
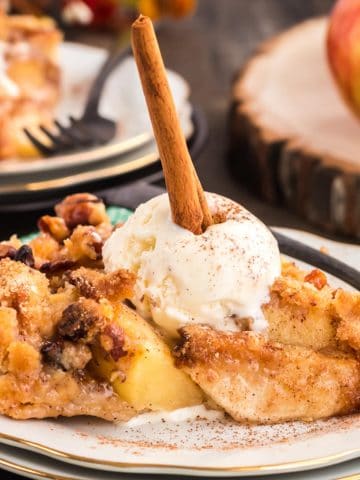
(54, 226)
(112, 340)
(84, 243)
(81, 209)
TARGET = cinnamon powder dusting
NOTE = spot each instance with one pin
(217, 435)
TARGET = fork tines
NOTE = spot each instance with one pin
(66, 139)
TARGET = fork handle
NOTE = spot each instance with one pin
(114, 58)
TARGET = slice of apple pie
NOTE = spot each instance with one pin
(306, 367)
(71, 344)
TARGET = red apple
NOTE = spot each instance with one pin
(103, 10)
(343, 50)
(98, 13)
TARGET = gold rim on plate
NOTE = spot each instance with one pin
(32, 471)
(86, 156)
(82, 177)
(276, 467)
(49, 476)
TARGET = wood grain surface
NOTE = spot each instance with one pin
(292, 137)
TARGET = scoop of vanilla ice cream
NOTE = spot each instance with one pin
(217, 278)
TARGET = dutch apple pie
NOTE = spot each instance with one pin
(71, 342)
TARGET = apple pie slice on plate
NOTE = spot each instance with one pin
(231, 341)
(72, 345)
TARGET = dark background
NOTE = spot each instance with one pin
(207, 50)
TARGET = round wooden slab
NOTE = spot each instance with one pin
(292, 138)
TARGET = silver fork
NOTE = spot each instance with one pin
(91, 128)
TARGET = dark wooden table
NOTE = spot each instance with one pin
(207, 49)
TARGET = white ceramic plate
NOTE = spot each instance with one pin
(40, 467)
(198, 447)
(122, 101)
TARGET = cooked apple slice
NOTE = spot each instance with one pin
(146, 376)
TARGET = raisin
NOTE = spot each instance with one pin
(25, 255)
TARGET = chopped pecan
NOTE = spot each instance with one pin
(25, 255)
(81, 320)
(112, 340)
(84, 243)
(317, 278)
(82, 209)
(54, 226)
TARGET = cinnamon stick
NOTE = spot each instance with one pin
(187, 200)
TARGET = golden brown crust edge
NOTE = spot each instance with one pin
(258, 381)
(45, 346)
(302, 311)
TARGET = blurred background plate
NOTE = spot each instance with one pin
(122, 101)
(23, 194)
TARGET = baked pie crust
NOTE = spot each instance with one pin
(71, 346)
